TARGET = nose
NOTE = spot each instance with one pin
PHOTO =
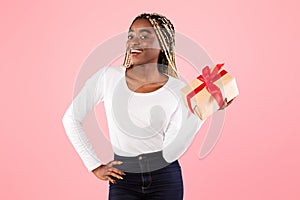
(134, 41)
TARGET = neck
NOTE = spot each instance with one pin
(145, 72)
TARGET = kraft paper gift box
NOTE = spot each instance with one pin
(207, 93)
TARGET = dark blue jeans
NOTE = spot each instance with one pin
(148, 176)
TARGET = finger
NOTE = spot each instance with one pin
(114, 175)
(224, 105)
(115, 162)
(116, 171)
(102, 178)
(225, 102)
(229, 102)
(111, 180)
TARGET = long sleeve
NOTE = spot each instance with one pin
(90, 95)
(180, 132)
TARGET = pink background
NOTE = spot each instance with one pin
(44, 44)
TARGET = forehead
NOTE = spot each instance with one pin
(141, 24)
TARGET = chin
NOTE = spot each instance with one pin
(134, 63)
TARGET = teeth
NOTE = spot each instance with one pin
(135, 51)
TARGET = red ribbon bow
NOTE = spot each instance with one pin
(208, 78)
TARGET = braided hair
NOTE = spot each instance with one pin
(165, 33)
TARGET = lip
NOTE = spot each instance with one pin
(135, 51)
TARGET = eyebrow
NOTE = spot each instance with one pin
(142, 30)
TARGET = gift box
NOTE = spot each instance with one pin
(207, 93)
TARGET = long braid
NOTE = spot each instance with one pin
(165, 33)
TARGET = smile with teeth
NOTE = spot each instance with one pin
(135, 51)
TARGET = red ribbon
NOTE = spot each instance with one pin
(208, 78)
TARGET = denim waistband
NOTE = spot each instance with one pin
(141, 163)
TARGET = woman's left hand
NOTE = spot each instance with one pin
(225, 104)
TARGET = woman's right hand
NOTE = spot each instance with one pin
(105, 172)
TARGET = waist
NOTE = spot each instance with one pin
(142, 163)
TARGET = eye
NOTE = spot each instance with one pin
(143, 37)
(130, 37)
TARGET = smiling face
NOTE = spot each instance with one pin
(142, 42)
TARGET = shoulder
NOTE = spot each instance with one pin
(104, 75)
(176, 81)
(176, 84)
(107, 74)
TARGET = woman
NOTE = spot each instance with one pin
(149, 126)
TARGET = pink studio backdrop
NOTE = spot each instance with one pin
(44, 44)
